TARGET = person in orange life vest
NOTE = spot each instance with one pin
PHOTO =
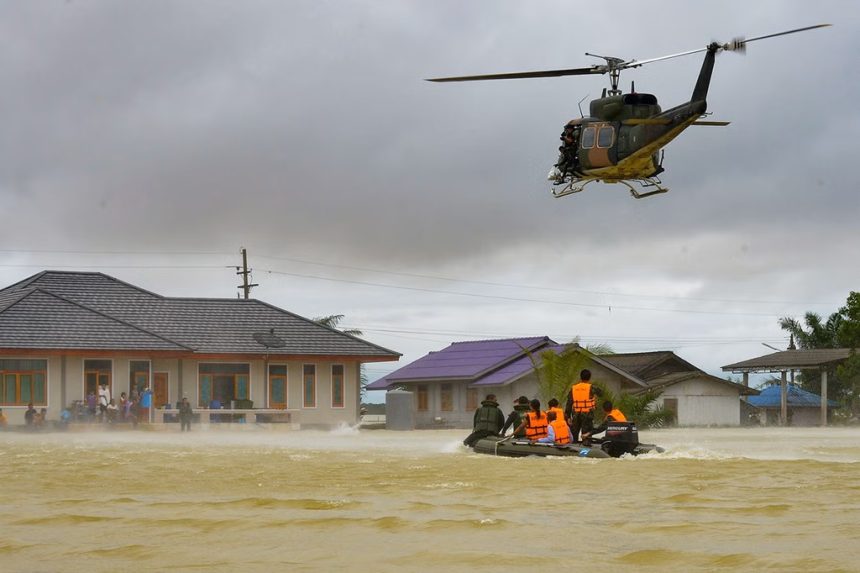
(611, 414)
(535, 424)
(579, 408)
(552, 406)
(557, 430)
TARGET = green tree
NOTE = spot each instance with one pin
(332, 321)
(817, 334)
(556, 372)
(640, 407)
(848, 336)
(840, 330)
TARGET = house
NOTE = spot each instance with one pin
(449, 384)
(804, 408)
(62, 334)
(696, 398)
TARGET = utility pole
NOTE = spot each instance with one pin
(245, 286)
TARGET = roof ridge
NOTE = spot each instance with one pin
(510, 339)
(22, 294)
(26, 281)
(105, 315)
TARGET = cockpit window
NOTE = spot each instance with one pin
(588, 138)
(605, 136)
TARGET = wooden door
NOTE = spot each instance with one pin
(160, 392)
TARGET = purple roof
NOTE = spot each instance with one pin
(516, 368)
(465, 360)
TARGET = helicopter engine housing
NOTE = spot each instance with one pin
(626, 106)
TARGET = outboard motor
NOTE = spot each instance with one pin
(621, 438)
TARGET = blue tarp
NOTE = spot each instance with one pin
(797, 397)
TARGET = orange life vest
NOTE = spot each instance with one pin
(537, 426)
(559, 413)
(582, 400)
(562, 432)
(616, 415)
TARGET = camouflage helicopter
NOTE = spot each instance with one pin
(622, 139)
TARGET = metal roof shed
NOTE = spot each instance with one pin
(782, 362)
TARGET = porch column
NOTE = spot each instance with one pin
(783, 400)
(824, 397)
(747, 379)
(179, 387)
(63, 403)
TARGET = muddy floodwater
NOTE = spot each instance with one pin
(373, 500)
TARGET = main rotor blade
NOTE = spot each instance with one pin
(637, 63)
(788, 32)
(522, 75)
(733, 46)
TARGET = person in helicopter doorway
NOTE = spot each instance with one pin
(488, 421)
(611, 414)
(568, 157)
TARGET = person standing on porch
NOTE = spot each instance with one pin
(104, 400)
(145, 404)
(185, 415)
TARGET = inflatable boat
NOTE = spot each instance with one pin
(621, 438)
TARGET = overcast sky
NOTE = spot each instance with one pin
(151, 140)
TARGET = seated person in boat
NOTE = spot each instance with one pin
(488, 421)
(515, 418)
(558, 432)
(611, 414)
(553, 406)
(535, 423)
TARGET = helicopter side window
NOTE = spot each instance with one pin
(605, 136)
(588, 137)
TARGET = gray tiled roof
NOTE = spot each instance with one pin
(675, 377)
(790, 359)
(637, 362)
(93, 310)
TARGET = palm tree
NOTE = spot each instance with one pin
(555, 371)
(333, 320)
(818, 334)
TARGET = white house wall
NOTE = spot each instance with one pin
(704, 403)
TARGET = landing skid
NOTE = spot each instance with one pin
(574, 186)
(646, 182)
(571, 186)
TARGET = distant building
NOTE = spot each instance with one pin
(450, 383)
(62, 334)
(804, 408)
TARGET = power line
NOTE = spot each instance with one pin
(410, 275)
(562, 337)
(518, 299)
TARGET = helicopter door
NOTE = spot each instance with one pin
(597, 147)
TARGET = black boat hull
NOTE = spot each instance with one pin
(517, 448)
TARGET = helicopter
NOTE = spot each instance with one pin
(622, 139)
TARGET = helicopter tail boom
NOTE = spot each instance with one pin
(700, 92)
